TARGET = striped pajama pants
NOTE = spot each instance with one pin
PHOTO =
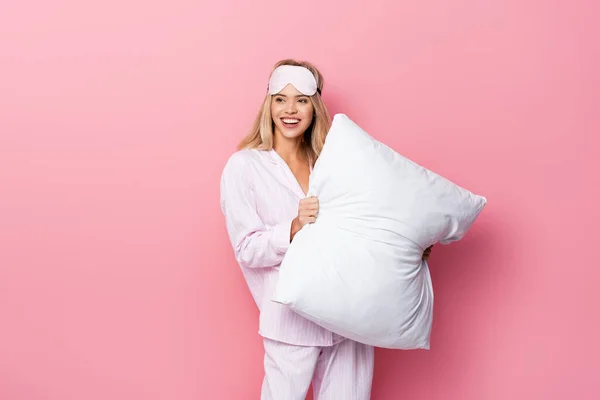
(342, 371)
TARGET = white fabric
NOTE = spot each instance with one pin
(357, 270)
(342, 371)
(301, 78)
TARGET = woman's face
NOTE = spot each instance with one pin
(292, 112)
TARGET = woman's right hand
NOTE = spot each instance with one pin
(308, 209)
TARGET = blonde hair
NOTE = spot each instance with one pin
(261, 134)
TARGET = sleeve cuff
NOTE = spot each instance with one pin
(281, 237)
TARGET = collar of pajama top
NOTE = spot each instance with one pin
(259, 198)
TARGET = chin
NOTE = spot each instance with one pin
(292, 133)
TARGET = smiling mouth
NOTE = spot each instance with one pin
(290, 122)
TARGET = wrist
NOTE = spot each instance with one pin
(295, 227)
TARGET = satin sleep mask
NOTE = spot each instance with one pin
(301, 78)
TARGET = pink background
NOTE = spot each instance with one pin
(116, 117)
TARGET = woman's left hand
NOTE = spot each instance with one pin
(426, 253)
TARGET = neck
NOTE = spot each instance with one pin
(290, 150)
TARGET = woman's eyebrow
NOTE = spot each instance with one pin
(283, 95)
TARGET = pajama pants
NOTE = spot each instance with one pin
(343, 371)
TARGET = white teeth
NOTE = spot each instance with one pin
(291, 121)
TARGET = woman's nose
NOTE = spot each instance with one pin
(291, 107)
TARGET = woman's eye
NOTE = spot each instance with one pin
(279, 99)
(303, 101)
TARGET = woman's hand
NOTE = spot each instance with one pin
(308, 209)
(426, 253)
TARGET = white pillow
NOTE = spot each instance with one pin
(357, 270)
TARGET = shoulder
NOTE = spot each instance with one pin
(237, 175)
(243, 164)
(240, 158)
(240, 161)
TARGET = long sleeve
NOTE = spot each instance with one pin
(254, 244)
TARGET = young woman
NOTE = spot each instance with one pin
(264, 199)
